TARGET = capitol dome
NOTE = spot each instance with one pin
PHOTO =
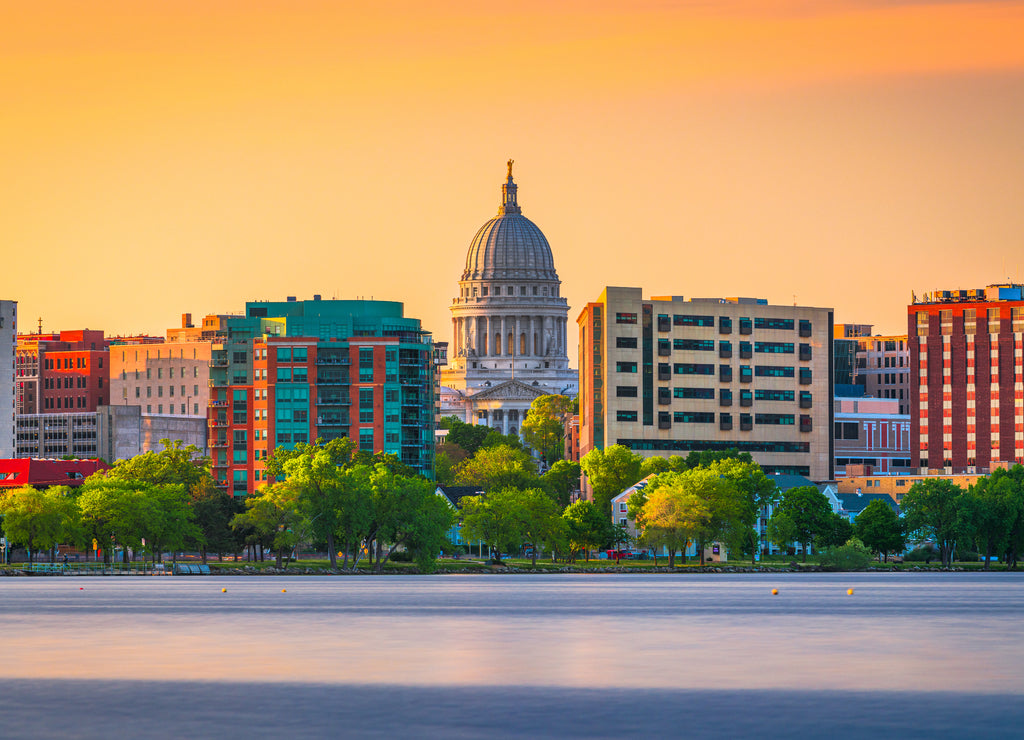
(509, 246)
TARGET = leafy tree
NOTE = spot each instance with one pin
(808, 510)
(758, 493)
(610, 472)
(495, 438)
(588, 528)
(781, 530)
(672, 516)
(272, 512)
(726, 503)
(544, 426)
(407, 513)
(880, 529)
(175, 464)
(653, 466)
(991, 508)
(315, 474)
(499, 467)
(837, 532)
(930, 509)
(467, 436)
(561, 480)
(212, 511)
(355, 516)
(447, 457)
(541, 523)
(38, 518)
(705, 458)
(497, 518)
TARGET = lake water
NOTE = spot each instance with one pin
(907, 655)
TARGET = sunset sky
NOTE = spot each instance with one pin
(168, 157)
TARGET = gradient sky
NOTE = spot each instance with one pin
(168, 157)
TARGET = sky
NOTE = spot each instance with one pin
(168, 157)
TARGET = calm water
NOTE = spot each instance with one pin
(908, 655)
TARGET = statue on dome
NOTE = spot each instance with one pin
(510, 163)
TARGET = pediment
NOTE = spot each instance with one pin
(510, 390)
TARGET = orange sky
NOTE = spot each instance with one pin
(163, 157)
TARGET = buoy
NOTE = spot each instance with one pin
(284, 590)
(223, 590)
(775, 592)
(849, 592)
(80, 588)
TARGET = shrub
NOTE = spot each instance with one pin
(921, 554)
(963, 555)
(851, 556)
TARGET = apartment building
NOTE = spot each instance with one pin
(881, 365)
(291, 372)
(967, 378)
(8, 373)
(67, 371)
(665, 376)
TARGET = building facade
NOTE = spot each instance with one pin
(665, 376)
(9, 373)
(165, 378)
(882, 363)
(871, 435)
(509, 324)
(967, 378)
(65, 372)
(293, 372)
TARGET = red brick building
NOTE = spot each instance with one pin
(66, 371)
(967, 376)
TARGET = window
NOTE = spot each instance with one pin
(625, 318)
(772, 395)
(767, 323)
(746, 350)
(694, 345)
(366, 405)
(625, 367)
(805, 328)
(783, 348)
(746, 326)
(366, 440)
(625, 416)
(284, 375)
(806, 376)
(664, 323)
(693, 417)
(725, 397)
(725, 350)
(695, 393)
(724, 325)
(774, 419)
(664, 348)
(689, 320)
(692, 368)
(625, 342)
(746, 397)
(774, 371)
(625, 391)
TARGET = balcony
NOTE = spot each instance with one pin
(218, 423)
(219, 362)
(333, 361)
(218, 443)
(218, 404)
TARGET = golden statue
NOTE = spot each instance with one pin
(510, 168)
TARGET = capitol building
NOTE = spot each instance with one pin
(509, 324)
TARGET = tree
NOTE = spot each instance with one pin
(880, 529)
(272, 512)
(496, 518)
(561, 480)
(467, 436)
(540, 521)
(758, 493)
(212, 510)
(727, 506)
(588, 528)
(38, 518)
(781, 530)
(653, 466)
(809, 513)
(447, 457)
(930, 509)
(316, 476)
(498, 467)
(990, 509)
(407, 513)
(672, 516)
(544, 426)
(610, 472)
(175, 464)
(837, 531)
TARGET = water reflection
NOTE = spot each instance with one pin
(898, 631)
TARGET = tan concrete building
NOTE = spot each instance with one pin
(896, 486)
(169, 378)
(665, 376)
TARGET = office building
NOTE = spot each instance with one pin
(666, 376)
